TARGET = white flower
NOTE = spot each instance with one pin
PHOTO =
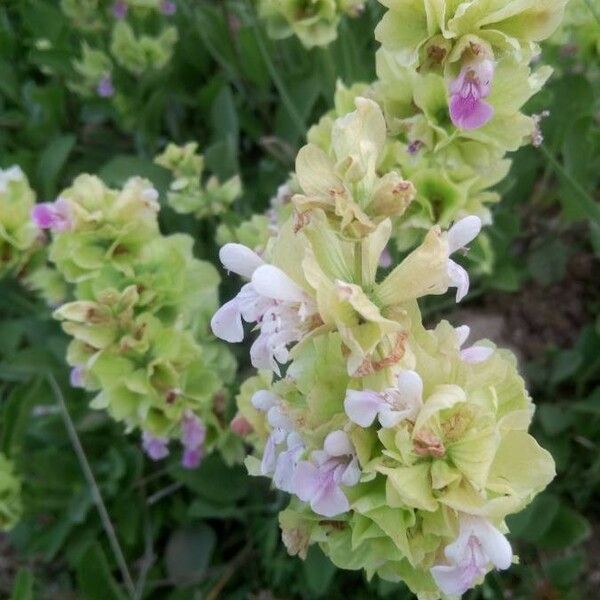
(473, 354)
(284, 446)
(280, 308)
(13, 173)
(391, 406)
(459, 235)
(479, 546)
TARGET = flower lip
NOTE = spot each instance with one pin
(478, 545)
(468, 109)
(240, 260)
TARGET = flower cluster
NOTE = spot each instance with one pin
(120, 45)
(188, 194)
(18, 236)
(139, 321)
(404, 449)
(315, 22)
(452, 79)
(10, 495)
(22, 251)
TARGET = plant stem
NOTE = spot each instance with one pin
(285, 96)
(94, 489)
(586, 203)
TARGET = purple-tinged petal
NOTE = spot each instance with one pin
(476, 354)
(469, 112)
(261, 355)
(306, 481)
(385, 260)
(226, 323)
(362, 406)
(331, 501)
(267, 464)
(155, 447)
(168, 7)
(105, 87)
(351, 474)
(119, 9)
(76, 377)
(52, 215)
(337, 443)
(493, 544)
(239, 259)
(287, 463)
(263, 400)
(191, 458)
(193, 431)
(455, 580)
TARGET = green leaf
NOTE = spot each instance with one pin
(568, 528)
(189, 552)
(565, 365)
(530, 524)
(548, 262)
(52, 160)
(554, 419)
(564, 571)
(318, 572)
(121, 168)
(94, 577)
(215, 481)
(23, 586)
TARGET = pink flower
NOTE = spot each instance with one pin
(119, 9)
(391, 406)
(168, 7)
(155, 447)
(478, 546)
(193, 435)
(468, 110)
(53, 215)
(320, 481)
(76, 378)
(240, 426)
(192, 457)
(105, 87)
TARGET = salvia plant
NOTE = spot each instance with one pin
(404, 448)
(394, 445)
(122, 43)
(314, 22)
(139, 317)
(188, 193)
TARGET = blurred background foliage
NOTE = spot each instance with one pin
(248, 101)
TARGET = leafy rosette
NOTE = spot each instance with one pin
(314, 22)
(139, 321)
